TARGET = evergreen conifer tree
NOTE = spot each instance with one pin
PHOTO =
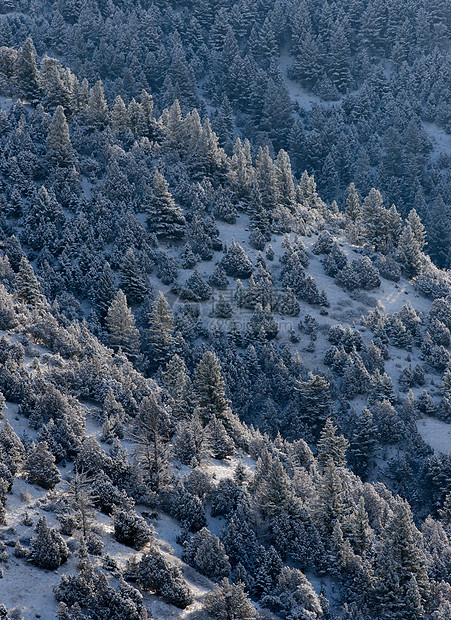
(331, 446)
(151, 431)
(160, 332)
(178, 385)
(132, 280)
(27, 285)
(362, 444)
(48, 549)
(165, 218)
(314, 401)
(330, 507)
(40, 467)
(60, 151)
(207, 554)
(105, 289)
(402, 583)
(120, 322)
(409, 251)
(209, 388)
(229, 602)
(219, 442)
(27, 71)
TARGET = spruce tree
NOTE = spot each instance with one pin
(358, 528)
(120, 322)
(165, 218)
(97, 110)
(207, 554)
(375, 216)
(400, 568)
(27, 71)
(229, 602)
(189, 443)
(331, 446)
(284, 180)
(156, 575)
(409, 251)
(45, 221)
(118, 115)
(132, 280)
(274, 493)
(130, 528)
(40, 467)
(266, 179)
(48, 549)
(363, 443)
(219, 442)
(105, 290)
(329, 508)
(151, 430)
(160, 332)
(178, 386)
(314, 401)
(353, 209)
(235, 262)
(27, 285)
(339, 59)
(209, 388)
(60, 151)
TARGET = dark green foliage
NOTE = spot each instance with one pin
(121, 326)
(82, 171)
(331, 446)
(40, 467)
(314, 402)
(209, 389)
(402, 557)
(206, 553)
(165, 218)
(27, 286)
(131, 529)
(156, 575)
(133, 282)
(89, 590)
(363, 443)
(48, 549)
(229, 602)
(235, 262)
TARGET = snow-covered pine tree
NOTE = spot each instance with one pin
(40, 467)
(132, 281)
(229, 601)
(122, 331)
(409, 251)
(48, 549)
(165, 218)
(60, 151)
(27, 285)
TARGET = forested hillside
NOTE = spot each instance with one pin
(225, 370)
(354, 90)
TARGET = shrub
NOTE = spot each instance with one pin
(206, 553)
(131, 529)
(155, 574)
(48, 549)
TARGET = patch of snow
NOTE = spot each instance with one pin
(299, 94)
(441, 141)
(435, 433)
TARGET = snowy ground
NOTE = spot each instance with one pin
(441, 141)
(435, 433)
(300, 95)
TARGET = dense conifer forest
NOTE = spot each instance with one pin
(225, 310)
